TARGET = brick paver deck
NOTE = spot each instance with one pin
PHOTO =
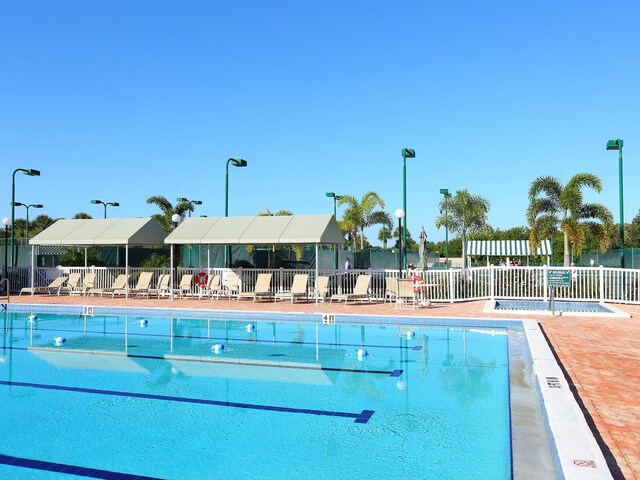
(601, 357)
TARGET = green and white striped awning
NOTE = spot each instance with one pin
(506, 248)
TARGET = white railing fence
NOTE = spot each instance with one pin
(601, 284)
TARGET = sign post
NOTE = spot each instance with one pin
(557, 278)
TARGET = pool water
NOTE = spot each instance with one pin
(129, 397)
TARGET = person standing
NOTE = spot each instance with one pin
(347, 264)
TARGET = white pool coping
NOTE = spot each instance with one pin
(490, 307)
(577, 450)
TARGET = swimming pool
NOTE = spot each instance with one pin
(146, 396)
(543, 307)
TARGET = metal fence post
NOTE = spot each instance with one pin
(492, 271)
(601, 282)
(545, 282)
(452, 294)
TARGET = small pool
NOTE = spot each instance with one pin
(544, 307)
(152, 397)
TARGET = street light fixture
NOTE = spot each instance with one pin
(100, 202)
(406, 153)
(34, 205)
(335, 247)
(399, 215)
(617, 145)
(5, 222)
(190, 202)
(447, 196)
(236, 162)
(32, 173)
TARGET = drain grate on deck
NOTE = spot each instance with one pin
(553, 382)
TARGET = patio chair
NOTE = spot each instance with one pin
(56, 285)
(72, 284)
(390, 289)
(360, 291)
(261, 290)
(231, 285)
(141, 288)
(185, 285)
(120, 283)
(88, 282)
(406, 297)
(321, 290)
(213, 286)
(162, 287)
(298, 289)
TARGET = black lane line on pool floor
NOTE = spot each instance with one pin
(362, 417)
(70, 469)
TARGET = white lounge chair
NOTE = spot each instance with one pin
(141, 288)
(390, 288)
(186, 285)
(88, 282)
(321, 290)
(54, 286)
(360, 291)
(162, 288)
(120, 283)
(406, 297)
(262, 288)
(298, 289)
(231, 285)
(213, 287)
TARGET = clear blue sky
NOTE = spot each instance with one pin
(122, 100)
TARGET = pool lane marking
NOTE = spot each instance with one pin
(70, 469)
(361, 417)
(393, 373)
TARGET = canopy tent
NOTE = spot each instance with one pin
(506, 248)
(89, 232)
(260, 230)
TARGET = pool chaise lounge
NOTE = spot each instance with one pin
(56, 286)
(360, 291)
(262, 288)
(298, 289)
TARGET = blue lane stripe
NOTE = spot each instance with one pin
(70, 469)
(357, 416)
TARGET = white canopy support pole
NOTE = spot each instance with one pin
(171, 276)
(317, 272)
(85, 258)
(126, 268)
(33, 267)
(209, 259)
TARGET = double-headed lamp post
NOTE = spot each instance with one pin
(399, 215)
(617, 145)
(5, 222)
(32, 173)
(406, 153)
(236, 162)
(335, 213)
(190, 202)
(100, 202)
(447, 196)
(32, 205)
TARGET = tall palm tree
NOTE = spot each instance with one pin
(164, 218)
(361, 214)
(465, 214)
(553, 206)
(386, 231)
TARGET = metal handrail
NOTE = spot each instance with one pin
(6, 292)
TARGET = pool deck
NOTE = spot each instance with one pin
(599, 355)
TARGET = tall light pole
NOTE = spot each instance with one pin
(32, 173)
(399, 215)
(5, 222)
(335, 213)
(190, 202)
(447, 196)
(236, 162)
(406, 153)
(100, 202)
(617, 145)
(34, 205)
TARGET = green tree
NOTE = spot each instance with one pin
(466, 214)
(167, 209)
(82, 216)
(361, 214)
(386, 231)
(553, 206)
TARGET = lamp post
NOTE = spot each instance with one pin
(335, 247)
(399, 215)
(5, 222)
(406, 153)
(447, 196)
(236, 162)
(100, 202)
(34, 205)
(32, 173)
(191, 203)
(617, 145)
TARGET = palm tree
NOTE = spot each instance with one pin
(164, 218)
(360, 215)
(386, 231)
(297, 249)
(82, 216)
(465, 214)
(553, 206)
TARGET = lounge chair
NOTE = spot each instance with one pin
(185, 285)
(213, 286)
(298, 289)
(231, 285)
(360, 291)
(141, 288)
(162, 287)
(72, 284)
(262, 288)
(390, 288)
(120, 283)
(406, 297)
(56, 285)
(88, 282)
(321, 290)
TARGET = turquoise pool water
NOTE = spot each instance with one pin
(127, 397)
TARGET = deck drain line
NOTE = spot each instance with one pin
(553, 382)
